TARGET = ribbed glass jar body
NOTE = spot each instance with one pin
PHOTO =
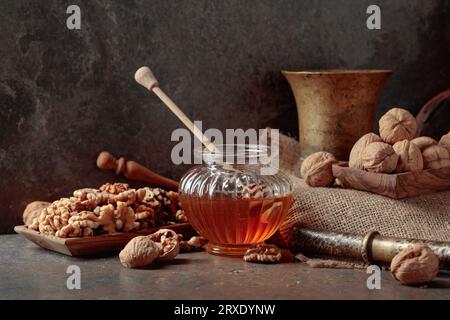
(234, 206)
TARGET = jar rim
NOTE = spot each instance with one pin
(233, 153)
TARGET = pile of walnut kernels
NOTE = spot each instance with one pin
(111, 208)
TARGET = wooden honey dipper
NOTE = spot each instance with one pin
(144, 76)
(133, 170)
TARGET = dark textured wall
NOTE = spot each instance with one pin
(65, 95)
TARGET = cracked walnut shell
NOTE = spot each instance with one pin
(409, 156)
(397, 125)
(139, 252)
(170, 248)
(169, 242)
(379, 157)
(415, 265)
(435, 157)
(355, 158)
(317, 170)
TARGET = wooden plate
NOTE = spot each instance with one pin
(396, 186)
(97, 244)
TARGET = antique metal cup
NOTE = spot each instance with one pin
(335, 107)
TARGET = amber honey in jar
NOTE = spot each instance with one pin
(232, 204)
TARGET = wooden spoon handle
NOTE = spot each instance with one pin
(133, 170)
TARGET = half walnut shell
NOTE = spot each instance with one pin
(169, 243)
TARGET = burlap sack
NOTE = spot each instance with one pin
(425, 217)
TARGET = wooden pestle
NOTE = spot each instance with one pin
(133, 170)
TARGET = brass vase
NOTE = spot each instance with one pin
(335, 107)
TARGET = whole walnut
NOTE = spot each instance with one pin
(445, 142)
(355, 159)
(317, 169)
(33, 210)
(379, 157)
(409, 156)
(415, 265)
(397, 125)
(139, 252)
(424, 142)
(435, 157)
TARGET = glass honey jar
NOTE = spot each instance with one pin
(231, 202)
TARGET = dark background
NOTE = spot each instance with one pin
(66, 95)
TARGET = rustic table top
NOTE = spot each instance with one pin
(30, 272)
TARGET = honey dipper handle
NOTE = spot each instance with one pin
(133, 170)
(145, 77)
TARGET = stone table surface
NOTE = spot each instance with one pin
(30, 272)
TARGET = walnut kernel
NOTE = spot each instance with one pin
(265, 253)
(169, 242)
(181, 217)
(114, 188)
(195, 243)
(116, 207)
(106, 218)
